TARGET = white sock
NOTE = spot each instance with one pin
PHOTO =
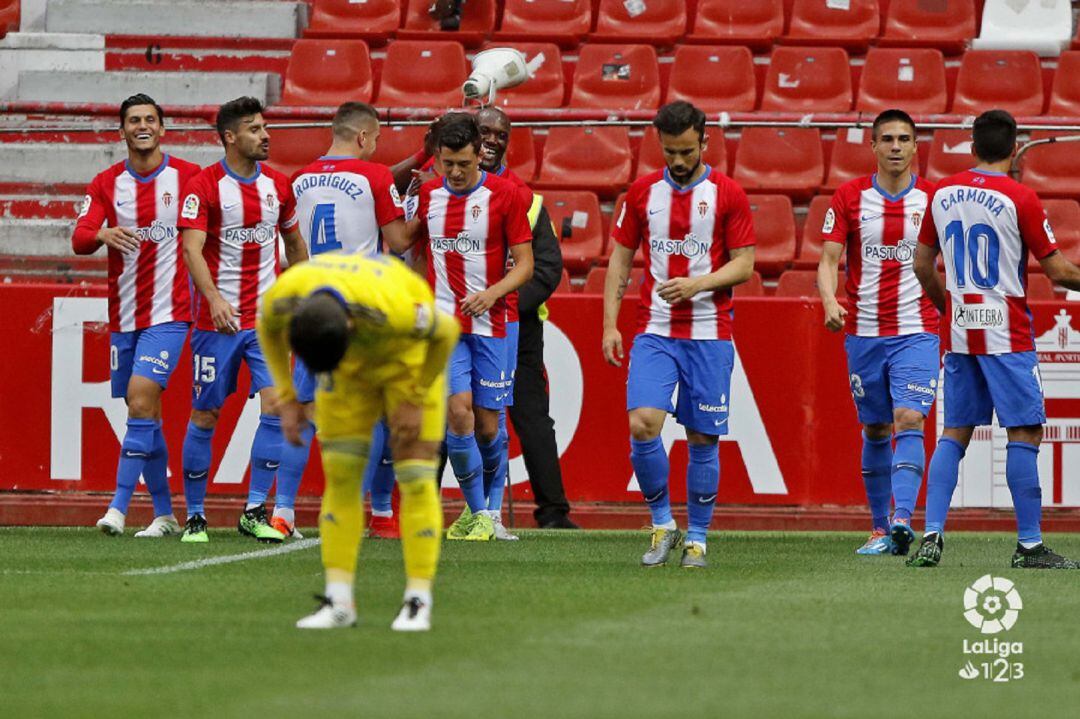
(1029, 545)
(286, 513)
(250, 505)
(382, 513)
(669, 526)
(340, 593)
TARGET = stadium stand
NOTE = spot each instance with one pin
(321, 72)
(852, 24)
(1040, 287)
(477, 22)
(807, 79)
(419, 73)
(651, 156)
(564, 287)
(9, 16)
(753, 287)
(660, 22)
(616, 77)
(182, 88)
(810, 244)
(1052, 170)
(565, 23)
(851, 156)
(947, 25)
(787, 160)
(726, 84)
(774, 230)
(396, 142)
(950, 153)
(521, 153)
(187, 18)
(1064, 217)
(373, 20)
(1006, 79)
(754, 24)
(546, 88)
(1065, 93)
(913, 79)
(586, 158)
(292, 148)
(1044, 27)
(578, 225)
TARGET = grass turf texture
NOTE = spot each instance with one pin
(561, 624)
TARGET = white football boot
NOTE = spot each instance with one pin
(328, 616)
(163, 526)
(501, 532)
(112, 523)
(415, 615)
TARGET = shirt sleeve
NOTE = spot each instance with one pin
(287, 218)
(92, 216)
(928, 230)
(517, 220)
(627, 230)
(1035, 230)
(738, 220)
(196, 208)
(388, 204)
(834, 228)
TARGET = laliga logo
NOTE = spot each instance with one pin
(992, 604)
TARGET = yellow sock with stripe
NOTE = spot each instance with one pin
(341, 522)
(421, 521)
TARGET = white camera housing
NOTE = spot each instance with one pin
(498, 69)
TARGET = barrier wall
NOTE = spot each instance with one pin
(794, 437)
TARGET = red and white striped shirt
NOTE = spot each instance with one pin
(467, 238)
(881, 232)
(985, 224)
(341, 202)
(149, 286)
(689, 232)
(241, 217)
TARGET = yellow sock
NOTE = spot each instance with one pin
(341, 522)
(421, 520)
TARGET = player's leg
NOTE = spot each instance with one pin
(489, 386)
(379, 482)
(128, 468)
(703, 409)
(653, 375)
(461, 449)
(870, 391)
(265, 447)
(913, 371)
(495, 480)
(294, 458)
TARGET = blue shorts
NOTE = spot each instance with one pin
(216, 358)
(701, 369)
(511, 360)
(304, 382)
(150, 353)
(887, 373)
(478, 365)
(978, 385)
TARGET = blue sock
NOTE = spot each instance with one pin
(156, 474)
(265, 458)
(135, 452)
(293, 463)
(465, 458)
(702, 481)
(877, 459)
(909, 460)
(1022, 475)
(196, 460)
(492, 456)
(379, 475)
(651, 467)
(941, 481)
(498, 488)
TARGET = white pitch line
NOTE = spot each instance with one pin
(227, 559)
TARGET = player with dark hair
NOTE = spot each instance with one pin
(230, 220)
(132, 209)
(371, 328)
(698, 234)
(985, 224)
(467, 221)
(347, 204)
(891, 331)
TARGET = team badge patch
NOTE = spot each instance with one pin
(85, 207)
(830, 222)
(916, 219)
(166, 199)
(191, 207)
(271, 201)
(476, 212)
(703, 208)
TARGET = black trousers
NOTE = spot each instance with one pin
(532, 421)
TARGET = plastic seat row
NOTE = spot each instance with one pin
(946, 24)
(716, 78)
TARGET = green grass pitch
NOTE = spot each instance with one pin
(561, 624)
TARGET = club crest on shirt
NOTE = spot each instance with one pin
(830, 222)
(702, 208)
(191, 207)
(475, 212)
(166, 199)
(916, 219)
(271, 201)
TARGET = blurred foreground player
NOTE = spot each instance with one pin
(985, 224)
(369, 328)
(230, 220)
(698, 238)
(132, 208)
(891, 332)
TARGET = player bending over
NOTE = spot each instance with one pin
(369, 328)
(698, 234)
(985, 224)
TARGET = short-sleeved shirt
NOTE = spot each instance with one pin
(341, 202)
(149, 286)
(687, 232)
(241, 217)
(880, 232)
(985, 224)
(467, 237)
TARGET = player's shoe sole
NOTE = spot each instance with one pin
(902, 538)
(662, 542)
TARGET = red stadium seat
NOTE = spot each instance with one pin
(397, 142)
(807, 79)
(755, 24)
(714, 78)
(579, 227)
(1065, 95)
(1006, 79)
(821, 22)
(373, 20)
(1064, 217)
(477, 22)
(544, 89)
(616, 77)
(565, 22)
(1053, 171)
(9, 16)
(586, 158)
(944, 24)
(594, 282)
(564, 287)
(802, 283)
(851, 157)
(753, 287)
(774, 231)
(422, 74)
(651, 155)
(911, 79)
(327, 72)
(811, 244)
(1039, 286)
(787, 160)
(521, 154)
(660, 22)
(292, 148)
(950, 153)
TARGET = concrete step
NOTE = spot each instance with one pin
(55, 163)
(168, 88)
(36, 237)
(202, 18)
